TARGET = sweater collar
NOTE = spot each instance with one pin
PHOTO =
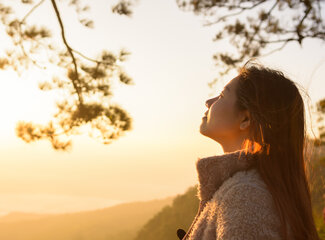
(214, 170)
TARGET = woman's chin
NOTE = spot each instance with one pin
(203, 129)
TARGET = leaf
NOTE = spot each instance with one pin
(3, 63)
(45, 86)
(125, 79)
(123, 8)
(87, 23)
(27, 1)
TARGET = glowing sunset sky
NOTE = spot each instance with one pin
(171, 64)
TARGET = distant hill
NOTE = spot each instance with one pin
(165, 223)
(119, 222)
(20, 216)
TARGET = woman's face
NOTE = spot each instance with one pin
(221, 122)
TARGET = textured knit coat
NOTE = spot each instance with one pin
(235, 203)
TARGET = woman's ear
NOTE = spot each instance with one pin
(245, 120)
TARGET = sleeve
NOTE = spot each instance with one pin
(244, 213)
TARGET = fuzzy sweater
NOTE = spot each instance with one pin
(235, 203)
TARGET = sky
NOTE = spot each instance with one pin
(171, 64)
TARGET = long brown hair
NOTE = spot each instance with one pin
(278, 136)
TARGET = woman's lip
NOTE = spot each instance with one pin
(204, 117)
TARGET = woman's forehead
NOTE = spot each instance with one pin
(232, 84)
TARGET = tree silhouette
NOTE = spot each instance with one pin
(86, 83)
(257, 27)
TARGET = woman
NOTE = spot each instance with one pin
(258, 188)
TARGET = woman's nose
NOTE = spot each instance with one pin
(209, 102)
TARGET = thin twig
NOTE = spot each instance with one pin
(281, 40)
(32, 10)
(260, 24)
(70, 52)
(224, 18)
(275, 50)
(21, 44)
(301, 22)
(90, 59)
(234, 14)
(320, 35)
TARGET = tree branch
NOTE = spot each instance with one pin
(223, 18)
(280, 40)
(242, 9)
(315, 35)
(21, 44)
(32, 10)
(88, 58)
(20, 23)
(262, 20)
(298, 29)
(237, 6)
(276, 49)
(70, 52)
(253, 6)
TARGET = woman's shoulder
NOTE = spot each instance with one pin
(245, 207)
(245, 184)
(244, 178)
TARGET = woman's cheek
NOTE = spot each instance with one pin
(216, 124)
(221, 123)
